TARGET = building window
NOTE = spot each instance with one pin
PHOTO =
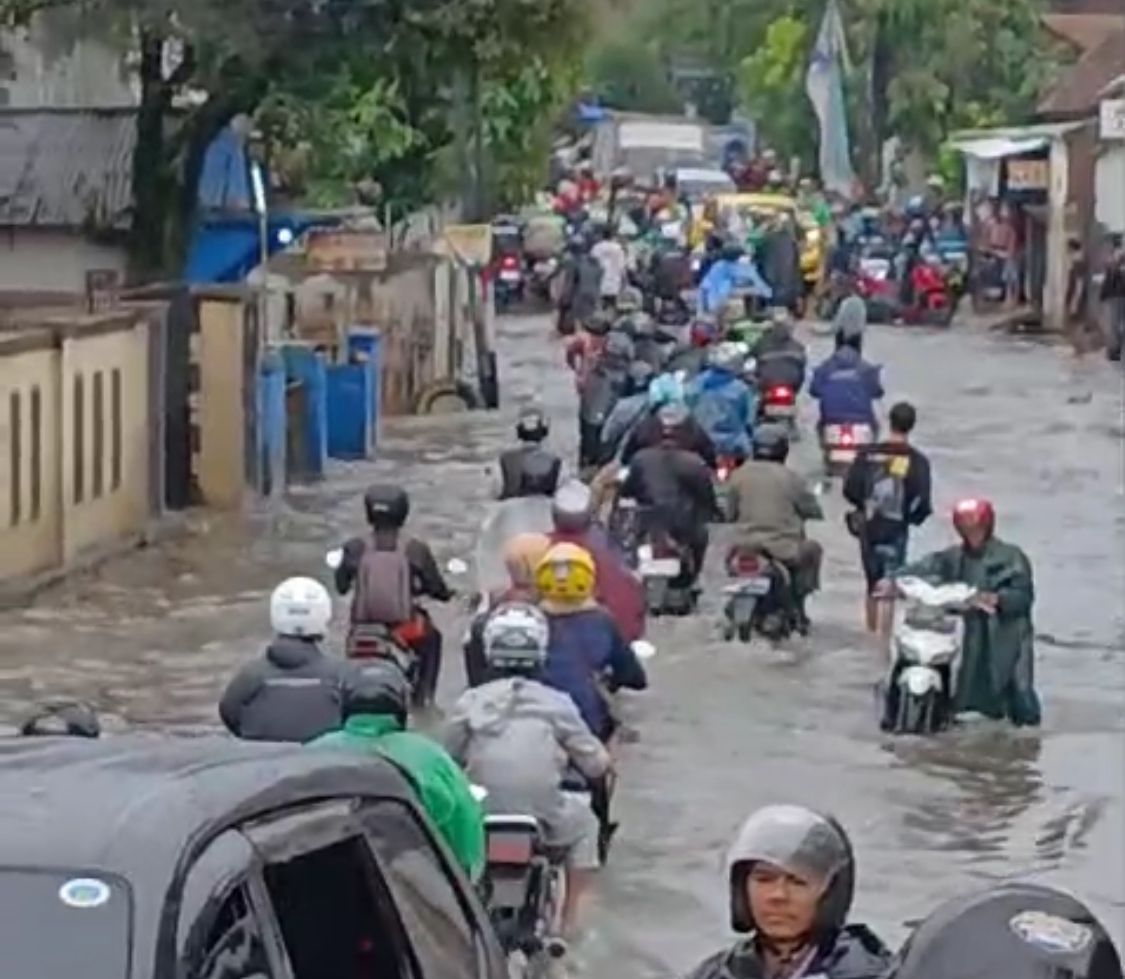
(36, 434)
(115, 429)
(99, 437)
(79, 435)
(15, 424)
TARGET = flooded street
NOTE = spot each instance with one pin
(152, 638)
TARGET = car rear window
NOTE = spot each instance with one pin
(58, 923)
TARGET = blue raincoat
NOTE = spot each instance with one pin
(723, 277)
(725, 407)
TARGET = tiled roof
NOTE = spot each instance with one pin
(1079, 88)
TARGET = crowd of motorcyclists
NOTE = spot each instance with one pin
(673, 415)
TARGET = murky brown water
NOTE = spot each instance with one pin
(152, 638)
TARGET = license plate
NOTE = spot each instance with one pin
(781, 411)
(510, 849)
(660, 567)
(841, 455)
(509, 275)
(757, 586)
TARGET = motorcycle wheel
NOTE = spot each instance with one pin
(746, 631)
(917, 715)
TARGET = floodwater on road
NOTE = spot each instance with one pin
(151, 639)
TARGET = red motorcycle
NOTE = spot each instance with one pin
(933, 301)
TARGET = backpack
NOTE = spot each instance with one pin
(885, 510)
(383, 592)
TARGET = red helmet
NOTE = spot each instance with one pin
(703, 333)
(972, 513)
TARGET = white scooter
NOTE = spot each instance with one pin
(926, 641)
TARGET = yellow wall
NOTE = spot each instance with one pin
(89, 454)
(221, 465)
(30, 537)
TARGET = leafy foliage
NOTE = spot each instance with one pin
(772, 87)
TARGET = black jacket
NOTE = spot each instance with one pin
(426, 577)
(780, 359)
(295, 692)
(529, 470)
(677, 485)
(649, 431)
(856, 953)
(916, 487)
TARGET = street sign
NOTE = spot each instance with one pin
(1112, 117)
(1024, 175)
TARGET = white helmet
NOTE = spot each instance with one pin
(516, 638)
(300, 607)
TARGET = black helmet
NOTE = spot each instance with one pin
(805, 844)
(1023, 930)
(387, 507)
(67, 718)
(382, 689)
(771, 442)
(532, 426)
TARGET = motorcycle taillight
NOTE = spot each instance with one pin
(782, 394)
(509, 262)
(746, 564)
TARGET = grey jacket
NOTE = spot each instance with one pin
(517, 738)
(293, 693)
(770, 504)
(855, 953)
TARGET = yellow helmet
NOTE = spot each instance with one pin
(566, 574)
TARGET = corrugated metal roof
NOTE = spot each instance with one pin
(66, 168)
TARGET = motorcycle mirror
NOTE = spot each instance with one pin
(334, 558)
(456, 566)
(643, 649)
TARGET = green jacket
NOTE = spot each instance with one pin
(996, 676)
(442, 787)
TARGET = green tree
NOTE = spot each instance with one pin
(629, 75)
(772, 87)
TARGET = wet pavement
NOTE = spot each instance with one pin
(152, 638)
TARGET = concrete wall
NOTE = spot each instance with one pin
(74, 440)
(55, 261)
(220, 466)
(1109, 182)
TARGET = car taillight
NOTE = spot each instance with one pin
(781, 395)
(509, 848)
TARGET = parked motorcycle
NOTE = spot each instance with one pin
(927, 638)
(758, 599)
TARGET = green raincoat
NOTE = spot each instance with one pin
(996, 676)
(442, 787)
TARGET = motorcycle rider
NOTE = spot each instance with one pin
(780, 357)
(606, 383)
(727, 274)
(890, 487)
(995, 675)
(723, 403)
(668, 389)
(584, 350)
(62, 718)
(616, 587)
(295, 692)
(781, 262)
(530, 469)
(792, 877)
(374, 715)
(609, 253)
(770, 505)
(522, 554)
(390, 572)
(581, 286)
(676, 488)
(849, 323)
(847, 387)
(517, 737)
(628, 411)
(586, 649)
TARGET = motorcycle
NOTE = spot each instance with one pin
(934, 302)
(524, 890)
(877, 287)
(987, 281)
(662, 564)
(926, 640)
(841, 443)
(757, 600)
(779, 405)
(509, 283)
(541, 278)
